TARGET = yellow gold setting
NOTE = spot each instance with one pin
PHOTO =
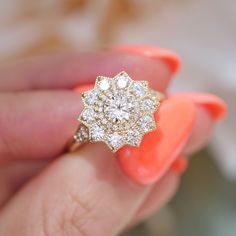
(117, 111)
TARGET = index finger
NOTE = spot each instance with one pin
(29, 122)
(69, 70)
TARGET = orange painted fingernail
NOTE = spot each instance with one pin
(180, 165)
(213, 104)
(153, 52)
(159, 149)
(82, 88)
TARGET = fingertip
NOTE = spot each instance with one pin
(209, 109)
(213, 104)
(161, 193)
(153, 52)
(201, 131)
(82, 88)
(180, 165)
(160, 148)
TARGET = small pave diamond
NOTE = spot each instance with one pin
(122, 81)
(118, 111)
(139, 89)
(82, 134)
(104, 84)
(133, 137)
(147, 123)
(148, 104)
(88, 115)
(97, 133)
(115, 140)
(90, 97)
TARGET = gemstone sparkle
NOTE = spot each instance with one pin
(118, 111)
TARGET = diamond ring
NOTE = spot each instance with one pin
(117, 111)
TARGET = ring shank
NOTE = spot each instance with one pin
(81, 136)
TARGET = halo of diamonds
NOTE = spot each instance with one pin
(117, 111)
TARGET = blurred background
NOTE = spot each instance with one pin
(202, 32)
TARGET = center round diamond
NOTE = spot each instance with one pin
(119, 109)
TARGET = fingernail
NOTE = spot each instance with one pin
(83, 88)
(153, 52)
(147, 163)
(180, 165)
(213, 104)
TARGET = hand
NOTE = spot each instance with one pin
(46, 191)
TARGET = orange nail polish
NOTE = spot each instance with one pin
(179, 165)
(153, 52)
(159, 149)
(84, 87)
(215, 105)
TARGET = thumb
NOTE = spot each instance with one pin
(81, 193)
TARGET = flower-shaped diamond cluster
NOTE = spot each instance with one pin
(119, 111)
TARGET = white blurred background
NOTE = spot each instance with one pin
(202, 32)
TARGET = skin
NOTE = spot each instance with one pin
(46, 191)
